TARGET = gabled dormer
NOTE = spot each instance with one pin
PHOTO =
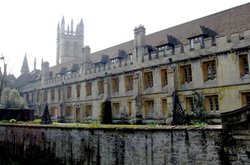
(104, 59)
(169, 44)
(200, 34)
(122, 54)
(63, 71)
(75, 68)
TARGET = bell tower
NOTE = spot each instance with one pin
(69, 42)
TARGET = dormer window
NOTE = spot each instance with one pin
(201, 33)
(130, 56)
(114, 60)
(202, 43)
(191, 43)
(194, 40)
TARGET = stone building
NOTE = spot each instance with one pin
(206, 61)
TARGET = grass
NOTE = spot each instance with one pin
(199, 123)
(96, 125)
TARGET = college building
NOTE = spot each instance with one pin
(205, 61)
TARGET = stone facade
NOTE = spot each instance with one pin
(65, 145)
(206, 62)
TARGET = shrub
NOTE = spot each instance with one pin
(4, 121)
(12, 121)
(106, 113)
(55, 124)
(11, 99)
(37, 121)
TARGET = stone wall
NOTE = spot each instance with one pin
(66, 145)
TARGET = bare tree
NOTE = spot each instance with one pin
(3, 76)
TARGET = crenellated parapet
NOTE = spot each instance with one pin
(154, 56)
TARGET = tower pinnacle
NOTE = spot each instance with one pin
(72, 30)
(69, 41)
(35, 64)
(25, 67)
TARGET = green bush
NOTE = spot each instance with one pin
(37, 121)
(4, 121)
(199, 123)
(106, 113)
(12, 121)
(55, 124)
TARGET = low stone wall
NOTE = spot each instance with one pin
(111, 146)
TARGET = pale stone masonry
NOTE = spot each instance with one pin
(88, 145)
(206, 61)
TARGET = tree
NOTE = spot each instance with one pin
(2, 76)
(11, 99)
(106, 112)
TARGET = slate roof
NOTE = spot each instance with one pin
(223, 23)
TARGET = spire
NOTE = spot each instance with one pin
(81, 27)
(62, 25)
(72, 30)
(81, 22)
(68, 29)
(25, 67)
(35, 64)
(58, 29)
(63, 22)
(77, 28)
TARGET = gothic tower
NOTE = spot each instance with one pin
(69, 42)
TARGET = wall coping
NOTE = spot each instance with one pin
(122, 127)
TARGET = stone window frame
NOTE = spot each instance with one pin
(164, 106)
(148, 79)
(212, 103)
(27, 97)
(243, 64)
(164, 77)
(32, 97)
(149, 106)
(129, 83)
(209, 69)
(52, 94)
(100, 85)
(245, 98)
(115, 109)
(69, 92)
(186, 75)
(88, 110)
(67, 48)
(78, 90)
(88, 87)
(45, 96)
(38, 97)
(190, 104)
(191, 43)
(197, 39)
(115, 84)
(129, 103)
(68, 111)
(59, 93)
(53, 111)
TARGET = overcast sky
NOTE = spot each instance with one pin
(30, 25)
